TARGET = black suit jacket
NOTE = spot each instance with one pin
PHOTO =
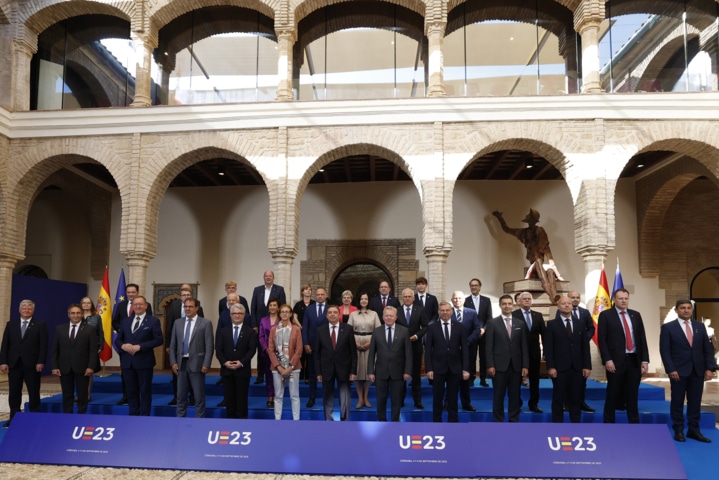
(503, 353)
(533, 335)
(612, 342)
(339, 362)
(78, 356)
(175, 312)
(32, 349)
(390, 363)
(484, 314)
(585, 319)
(442, 357)
(226, 350)
(562, 352)
(120, 313)
(417, 324)
(223, 305)
(678, 356)
(431, 307)
(375, 303)
(259, 309)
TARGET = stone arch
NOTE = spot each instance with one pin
(39, 16)
(699, 141)
(304, 8)
(164, 12)
(34, 168)
(4, 12)
(160, 169)
(655, 194)
(696, 16)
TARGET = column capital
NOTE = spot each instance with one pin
(286, 33)
(593, 252)
(435, 27)
(138, 259)
(24, 46)
(589, 13)
(436, 252)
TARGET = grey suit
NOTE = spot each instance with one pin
(389, 365)
(190, 367)
(508, 357)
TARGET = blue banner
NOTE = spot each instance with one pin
(368, 448)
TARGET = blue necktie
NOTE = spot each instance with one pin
(529, 320)
(389, 337)
(237, 332)
(186, 343)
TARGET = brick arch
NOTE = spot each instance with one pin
(4, 12)
(303, 8)
(361, 254)
(655, 195)
(39, 16)
(697, 141)
(696, 15)
(36, 171)
(358, 148)
(162, 169)
(164, 12)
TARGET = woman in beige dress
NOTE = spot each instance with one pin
(363, 321)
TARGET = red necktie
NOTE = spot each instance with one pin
(627, 333)
(334, 337)
(384, 301)
(690, 334)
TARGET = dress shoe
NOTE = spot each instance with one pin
(360, 404)
(535, 409)
(270, 403)
(525, 383)
(172, 402)
(6, 424)
(259, 380)
(367, 404)
(469, 408)
(696, 435)
(565, 407)
(679, 436)
(587, 408)
(122, 401)
(418, 405)
(310, 402)
(221, 404)
(484, 383)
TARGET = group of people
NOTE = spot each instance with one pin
(382, 340)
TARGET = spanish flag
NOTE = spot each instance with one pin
(104, 309)
(601, 301)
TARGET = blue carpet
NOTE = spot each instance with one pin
(696, 457)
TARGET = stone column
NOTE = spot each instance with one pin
(137, 263)
(286, 40)
(437, 275)
(22, 52)
(144, 45)
(282, 262)
(593, 260)
(435, 36)
(587, 19)
(7, 264)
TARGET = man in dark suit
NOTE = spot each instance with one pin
(623, 347)
(315, 315)
(335, 355)
(483, 306)
(121, 311)
(446, 362)
(260, 296)
(413, 316)
(383, 299)
(136, 340)
(426, 300)
(22, 357)
(468, 318)
(535, 329)
(175, 312)
(566, 350)
(191, 349)
(235, 346)
(390, 362)
(507, 359)
(688, 359)
(74, 359)
(224, 305)
(585, 318)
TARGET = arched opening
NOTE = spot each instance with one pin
(704, 291)
(359, 278)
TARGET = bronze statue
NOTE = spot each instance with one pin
(536, 241)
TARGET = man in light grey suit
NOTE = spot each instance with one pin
(390, 363)
(191, 350)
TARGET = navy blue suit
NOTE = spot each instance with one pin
(259, 308)
(585, 320)
(416, 325)
(484, 315)
(628, 375)
(690, 362)
(222, 306)
(375, 303)
(470, 320)
(310, 324)
(447, 360)
(431, 306)
(569, 356)
(535, 353)
(137, 368)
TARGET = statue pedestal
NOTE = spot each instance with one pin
(540, 299)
